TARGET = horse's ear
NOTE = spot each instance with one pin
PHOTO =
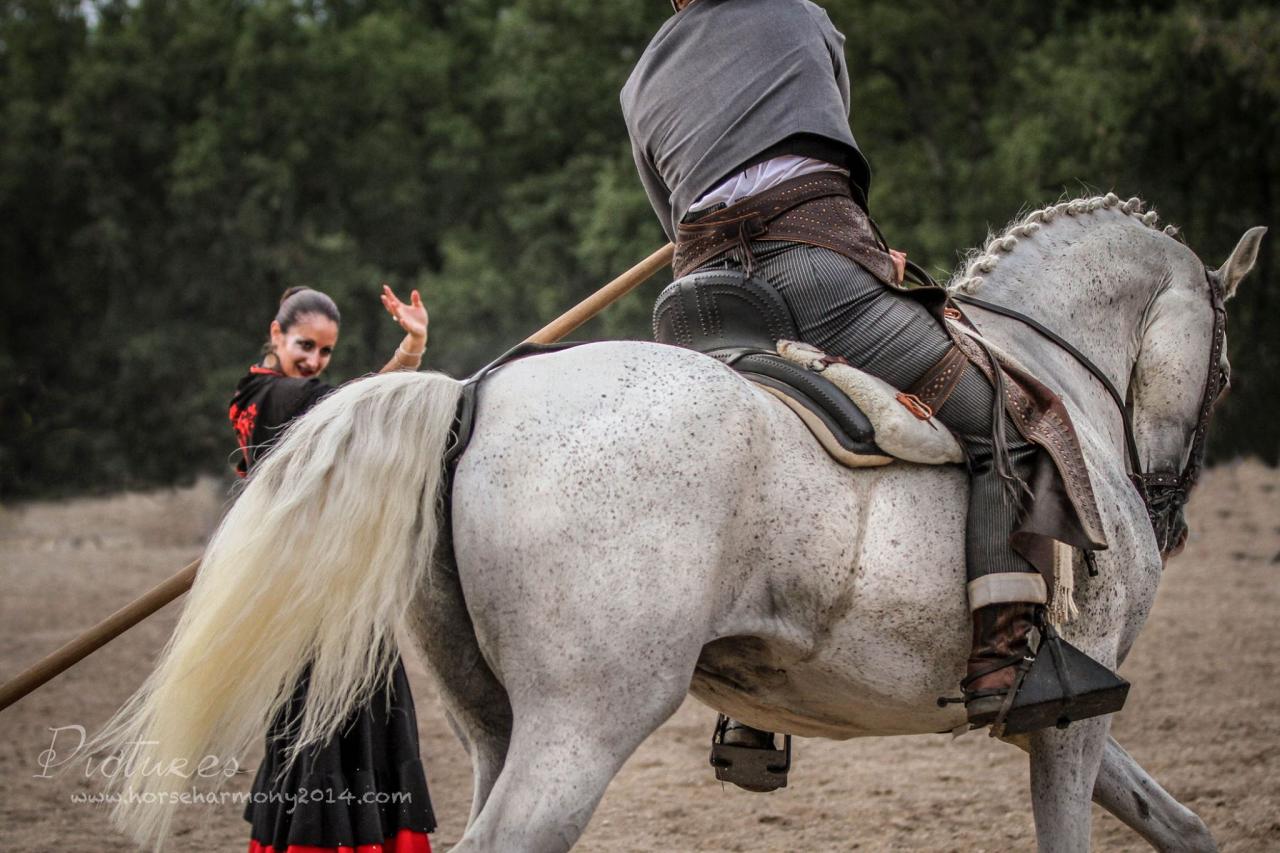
(1241, 261)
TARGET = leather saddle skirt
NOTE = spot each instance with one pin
(744, 322)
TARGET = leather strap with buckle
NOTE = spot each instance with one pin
(817, 209)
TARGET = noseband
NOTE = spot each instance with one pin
(1163, 492)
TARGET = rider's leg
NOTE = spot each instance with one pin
(840, 307)
(1004, 589)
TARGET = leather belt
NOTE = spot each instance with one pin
(817, 209)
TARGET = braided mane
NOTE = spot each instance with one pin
(979, 262)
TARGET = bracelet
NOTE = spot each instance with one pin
(400, 350)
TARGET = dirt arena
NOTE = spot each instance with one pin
(1203, 716)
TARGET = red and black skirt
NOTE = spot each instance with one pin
(364, 791)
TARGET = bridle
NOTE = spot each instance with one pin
(1164, 492)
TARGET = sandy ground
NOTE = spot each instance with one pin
(1203, 716)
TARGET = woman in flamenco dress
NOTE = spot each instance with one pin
(364, 790)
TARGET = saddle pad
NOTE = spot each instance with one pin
(817, 424)
(898, 432)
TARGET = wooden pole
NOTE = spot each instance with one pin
(131, 614)
(97, 636)
(595, 303)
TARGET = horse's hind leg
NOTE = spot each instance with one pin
(1128, 792)
(585, 691)
(476, 704)
(486, 738)
(562, 756)
(1064, 767)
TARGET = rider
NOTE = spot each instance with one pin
(737, 101)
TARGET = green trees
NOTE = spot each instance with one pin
(168, 168)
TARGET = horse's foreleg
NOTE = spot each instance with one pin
(1064, 766)
(1128, 792)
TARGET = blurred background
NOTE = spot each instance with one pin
(167, 169)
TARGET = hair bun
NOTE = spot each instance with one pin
(300, 301)
(297, 288)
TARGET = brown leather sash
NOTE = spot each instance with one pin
(817, 209)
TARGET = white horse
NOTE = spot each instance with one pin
(632, 522)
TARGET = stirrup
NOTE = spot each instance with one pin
(1055, 689)
(754, 769)
(1060, 688)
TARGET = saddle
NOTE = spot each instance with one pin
(860, 420)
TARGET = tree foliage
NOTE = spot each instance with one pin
(168, 167)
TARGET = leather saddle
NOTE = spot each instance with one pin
(744, 322)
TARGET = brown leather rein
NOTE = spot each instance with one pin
(1163, 492)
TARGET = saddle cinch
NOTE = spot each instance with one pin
(860, 420)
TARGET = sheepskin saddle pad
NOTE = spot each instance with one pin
(897, 430)
(861, 421)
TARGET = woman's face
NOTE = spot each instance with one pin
(304, 349)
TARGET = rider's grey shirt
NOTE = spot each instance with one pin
(725, 80)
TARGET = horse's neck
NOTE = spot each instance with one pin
(1092, 284)
(1090, 291)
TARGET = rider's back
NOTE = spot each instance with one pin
(723, 83)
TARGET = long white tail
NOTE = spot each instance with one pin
(316, 563)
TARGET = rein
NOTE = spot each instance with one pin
(1163, 492)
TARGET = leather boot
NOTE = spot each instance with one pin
(1001, 652)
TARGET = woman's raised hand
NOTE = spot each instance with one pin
(411, 317)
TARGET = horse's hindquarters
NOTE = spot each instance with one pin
(590, 513)
(592, 509)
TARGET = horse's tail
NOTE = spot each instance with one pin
(314, 565)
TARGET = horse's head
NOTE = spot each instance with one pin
(1181, 369)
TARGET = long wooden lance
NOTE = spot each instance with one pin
(160, 595)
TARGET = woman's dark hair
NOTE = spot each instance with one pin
(300, 301)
